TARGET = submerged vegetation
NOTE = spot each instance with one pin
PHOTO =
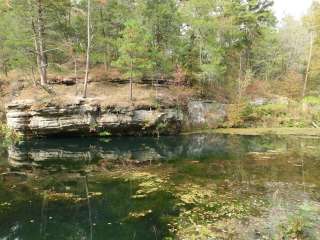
(79, 59)
(223, 187)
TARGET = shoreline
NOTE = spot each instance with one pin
(314, 132)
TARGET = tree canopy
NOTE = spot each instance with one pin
(220, 45)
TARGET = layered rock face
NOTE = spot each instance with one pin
(87, 117)
(206, 114)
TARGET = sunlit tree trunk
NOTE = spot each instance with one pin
(41, 46)
(88, 50)
(308, 67)
(240, 78)
(131, 79)
(38, 27)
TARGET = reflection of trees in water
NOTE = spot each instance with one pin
(243, 158)
(67, 218)
(281, 170)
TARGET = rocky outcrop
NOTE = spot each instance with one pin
(90, 117)
(87, 117)
(206, 114)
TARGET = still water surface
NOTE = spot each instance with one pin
(201, 186)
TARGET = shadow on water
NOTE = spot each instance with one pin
(140, 187)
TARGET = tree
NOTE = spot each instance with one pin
(223, 33)
(222, 46)
(88, 49)
(201, 30)
(109, 19)
(38, 26)
(16, 42)
(134, 49)
(161, 20)
(308, 66)
(268, 56)
(37, 29)
(311, 23)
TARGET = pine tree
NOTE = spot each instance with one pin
(134, 51)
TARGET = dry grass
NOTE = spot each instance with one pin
(312, 132)
(108, 94)
(103, 89)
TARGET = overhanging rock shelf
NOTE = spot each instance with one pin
(88, 117)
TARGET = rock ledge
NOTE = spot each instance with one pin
(87, 117)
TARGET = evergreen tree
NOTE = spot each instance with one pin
(134, 52)
(161, 20)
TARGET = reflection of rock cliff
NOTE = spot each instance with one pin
(42, 152)
(82, 151)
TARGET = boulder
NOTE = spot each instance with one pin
(206, 114)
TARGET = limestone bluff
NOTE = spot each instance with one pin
(90, 118)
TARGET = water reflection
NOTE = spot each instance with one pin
(74, 188)
(40, 153)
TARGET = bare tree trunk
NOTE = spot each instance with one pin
(36, 47)
(200, 64)
(88, 51)
(308, 67)
(40, 44)
(76, 69)
(33, 76)
(240, 79)
(105, 62)
(76, 72)
(106, 50)
(5, 68)
(131, 90)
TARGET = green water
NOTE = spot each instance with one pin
(201, 186)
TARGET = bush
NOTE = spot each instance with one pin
(238, 114)
(312, 100)
(7, 135)
(275, 110)
(269, 115)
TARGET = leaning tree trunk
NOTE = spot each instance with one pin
(88, 52)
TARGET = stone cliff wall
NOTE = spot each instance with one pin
(89, 117)
(94, 117)
(205, 114)
(86, 117)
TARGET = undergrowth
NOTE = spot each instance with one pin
(8, 136)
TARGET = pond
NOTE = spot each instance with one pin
(197, 186)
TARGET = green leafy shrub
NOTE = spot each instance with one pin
(105, 134)
(312, 100)
(7, 135)
(271, 115)
(245, 114)
(275, 110)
